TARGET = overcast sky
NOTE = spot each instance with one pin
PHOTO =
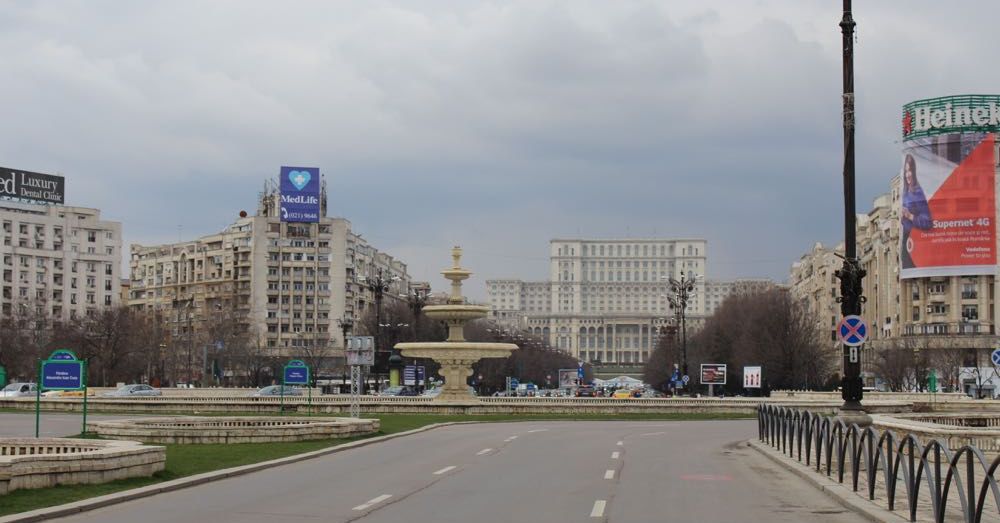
(493, 125)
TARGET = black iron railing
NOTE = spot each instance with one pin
(931, 470)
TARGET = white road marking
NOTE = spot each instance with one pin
(609, 474)
(373, 501)
(653, 434)
(512, 438)
(620, 443)
(598, 510)
(484, 451)
(615, 455)
(538, 430)
(442, 471)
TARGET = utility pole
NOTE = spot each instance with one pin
(851, 273)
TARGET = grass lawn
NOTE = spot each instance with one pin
(187, 460)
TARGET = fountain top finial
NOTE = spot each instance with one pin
(456, 255)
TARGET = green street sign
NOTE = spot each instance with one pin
(62, 371)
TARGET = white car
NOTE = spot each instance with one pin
(18, 390)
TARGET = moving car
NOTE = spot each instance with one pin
(585, 391)
(275, 390)
(400, 390)
(18, 390)
(621, 393)
(137, 389)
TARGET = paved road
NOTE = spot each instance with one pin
(512, 472)
(53, 424)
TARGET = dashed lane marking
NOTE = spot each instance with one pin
(615, 455)
(373, 501)
(598, 510)
(484, 451)
(446, 469)
(609, 474)
(620, 443)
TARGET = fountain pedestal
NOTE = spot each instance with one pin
(455, 355)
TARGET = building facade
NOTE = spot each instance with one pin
(60, 262)
(289, 285)
(605, 300)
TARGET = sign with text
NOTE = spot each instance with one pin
(62, 371)
(751, 377)
(713, 373)
(35, 187)
(300, 194)
(408, 375)
(296, 373)
(947, 193)
(568, 378)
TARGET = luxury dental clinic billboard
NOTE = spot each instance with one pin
(948, 186)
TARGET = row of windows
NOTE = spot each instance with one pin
(629, 250)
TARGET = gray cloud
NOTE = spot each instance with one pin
(497, 125)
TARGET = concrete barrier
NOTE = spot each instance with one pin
(243, 429)
(27, 463)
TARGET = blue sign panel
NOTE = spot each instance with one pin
(408, 375)
(62, 375)
(64, 355)
(300, 194)
(296, 373)
(995, 357)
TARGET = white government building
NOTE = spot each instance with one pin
(606, 299)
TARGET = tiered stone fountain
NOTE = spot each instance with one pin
(456, 355)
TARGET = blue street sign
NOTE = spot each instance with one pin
(579, 371)
(408, 375)
(852, 331)
(296, 373)
(686, 379)
(995, 357)
(62, 375)
(514, 382)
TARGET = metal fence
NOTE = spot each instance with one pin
(930, 469)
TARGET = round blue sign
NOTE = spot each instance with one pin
(995, 357)
(852, 331)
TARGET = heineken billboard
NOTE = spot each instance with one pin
(947, 196)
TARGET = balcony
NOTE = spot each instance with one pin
(970, 295)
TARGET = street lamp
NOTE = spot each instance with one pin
(683, 289)
(346, 324)
(851, 273)
(416, 298)
(378, 285)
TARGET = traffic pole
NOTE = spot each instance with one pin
(84, 377)
(38, 398)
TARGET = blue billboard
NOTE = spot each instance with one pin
(300, 194)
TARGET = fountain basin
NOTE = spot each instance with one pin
(456, 312)
(236, 429)
(456, 359)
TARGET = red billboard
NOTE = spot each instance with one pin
(947, 208)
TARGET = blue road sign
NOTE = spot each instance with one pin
(852, 331)
(62, 375)
(579, 371)
(686, 379)
(995, 357)
(296, 373)
(514, 382)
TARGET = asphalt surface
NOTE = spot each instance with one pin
(512, 472)
(52, 424)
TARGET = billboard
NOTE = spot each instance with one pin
(947, 208)
(751, 377)
(713, 373)
(568, 378)
(35, 187)
(300, 194)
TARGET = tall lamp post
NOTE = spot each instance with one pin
(682, 290)
(850, 273)
(378, 285)
(416, 298)
(346, 324)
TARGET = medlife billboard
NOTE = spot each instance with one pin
(300, 194)
(30, 186)
(947, 208)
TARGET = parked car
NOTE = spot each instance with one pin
(621, 394)
(275, 390)
(135, 390)
(585, 391)
(18, 390)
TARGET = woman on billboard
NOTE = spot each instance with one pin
(914, 211)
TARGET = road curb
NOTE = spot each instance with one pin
(84, 505)
(842, 494)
